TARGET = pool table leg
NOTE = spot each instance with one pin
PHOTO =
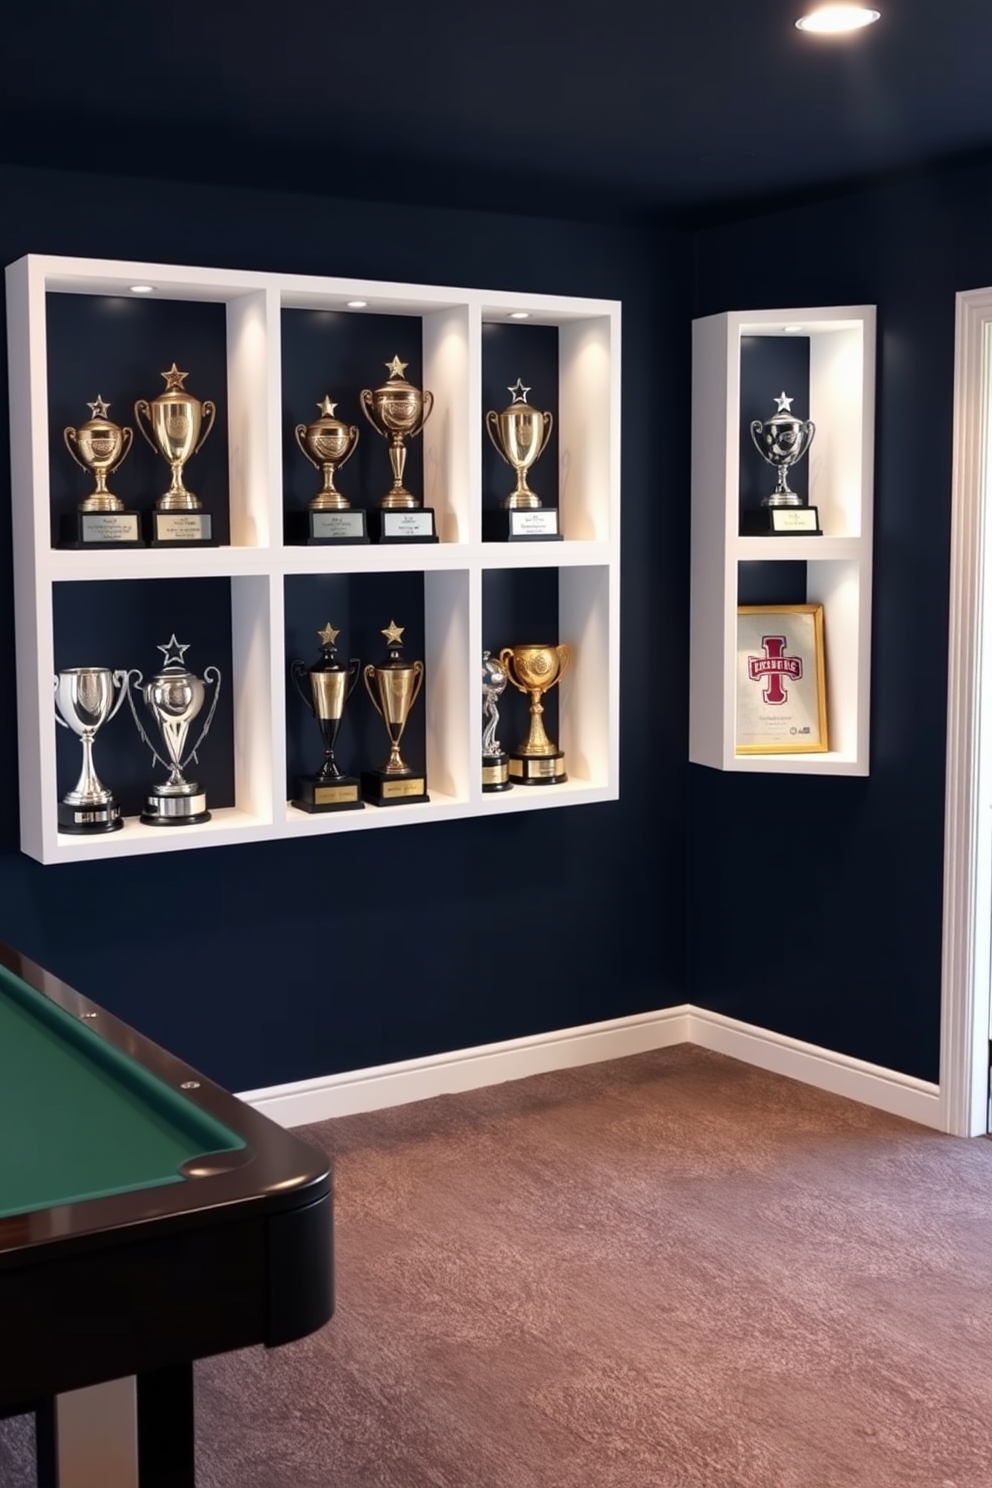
(165, 1428)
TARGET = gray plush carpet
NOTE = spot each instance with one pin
(668, 1271)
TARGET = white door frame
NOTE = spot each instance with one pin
(967, 940)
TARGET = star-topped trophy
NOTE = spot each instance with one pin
(783, 441)
(100, 447)
(328, 443)
(328, 686)
(174, 697)
(394, 686)
(399, 411)
(520, 435)
(176, 420)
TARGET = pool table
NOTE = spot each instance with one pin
(147, 1219)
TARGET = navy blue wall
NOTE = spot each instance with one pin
(276, 962)
(816, 903)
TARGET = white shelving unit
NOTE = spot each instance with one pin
(838, 564)
(257, 562)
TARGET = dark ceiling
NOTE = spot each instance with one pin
(592, 110)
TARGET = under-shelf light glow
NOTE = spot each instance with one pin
(357, 304)
(792, 330)
(520, 315)
(833, 20)
(142, 289)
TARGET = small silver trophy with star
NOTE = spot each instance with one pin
(520, 436)
(783, 440)
(174, 697)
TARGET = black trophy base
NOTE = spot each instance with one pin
(316, 793)
(535, 524)
(175, 811)
(496, 773)
(101, 530)
(782, 521)
(403, 525)
(380, 789)
(182, 529)
(538, 769)
(87, 821)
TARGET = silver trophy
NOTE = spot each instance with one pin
(84, 702)
(495, 760)
(782, 441)
(174, 698)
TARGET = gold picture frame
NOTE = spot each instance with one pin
(781, 680)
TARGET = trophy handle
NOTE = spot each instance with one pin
(564, 657)
(208, 411)
(492, 418)
(548, 426)
(354, 667)
(127, 439)
(756, 428)
(134, 672)
(370, 672)
(809, 429)
(141, 407)
(506, 662)
(299, 431)
(418, 667)
(120, 680)
(426, 409)
(365, 398)
(215, 679)
(353, 445)
(55, 704)
(69, 434)
(298, 670)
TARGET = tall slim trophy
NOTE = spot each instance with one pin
(174, 697)
(520, 435)
(399, 411)
(328, 443)
(495, 760)
(84, 702)
(782, 441)
(100, 447)
(328, 687)
(394, 686)
(176, 420)
(535, 670)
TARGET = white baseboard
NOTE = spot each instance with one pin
(306, 1101)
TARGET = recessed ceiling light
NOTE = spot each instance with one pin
(520, 315)
(142, 289)
(791, 330)
(357, 304)
(832, 20)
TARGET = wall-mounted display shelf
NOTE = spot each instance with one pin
(824, 360)
(266, 349)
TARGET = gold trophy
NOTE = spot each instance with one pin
(176, 418)
(100, 447)
(399, 411)
(328, 444)
(394, 686)
(535, 670)
(520, 436)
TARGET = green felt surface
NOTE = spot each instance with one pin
(80, 1119)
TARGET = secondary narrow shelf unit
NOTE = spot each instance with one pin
(841, 376)
(448, 325)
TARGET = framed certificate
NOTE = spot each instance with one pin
(781, 682)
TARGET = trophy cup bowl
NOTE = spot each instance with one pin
(534, 670)
(397, 411)
(520, 434)
(99, 446)
(176, 419)
(174, 698)
(328, 444)
(84, 702)
(782, 441)
(495, 760)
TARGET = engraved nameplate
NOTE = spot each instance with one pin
(794, 519)
(109, 527)
(494, 774)
(182, 526)
(393, 790)
(400, 524)
(348, 525)
(332, 795)
(536, 769)
(540, 523)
